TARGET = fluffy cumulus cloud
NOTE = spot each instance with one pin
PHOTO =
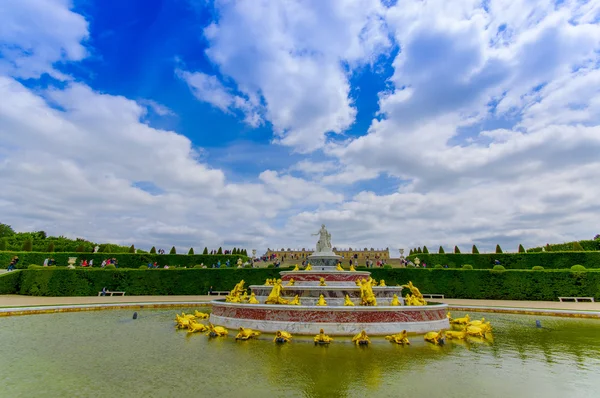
(488, 125)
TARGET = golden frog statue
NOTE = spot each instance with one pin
(194, 327)
(348, 302)
(352, 268)
(308, 267)
(434, 337)
(455, 334)
(322, 282)
(216, 331)
(399, 338)
(181, 322)
(366, 293)
(461, 321)
(245, 334)
(322, 301)
(339, 267)
(201, 315)
(252, 299)
(282, 336)
(296, 268)
(275, 295)
(291, 282)
(395, 301)
(361, 338)
(485, 326)
(295, 300)
(382, 283)
(322, 338)
(268, 282)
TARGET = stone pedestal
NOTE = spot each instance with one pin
(324, 261)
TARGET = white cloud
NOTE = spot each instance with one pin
(36, 34)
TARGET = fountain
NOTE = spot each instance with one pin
(325, 296)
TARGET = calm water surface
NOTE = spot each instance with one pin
(107, 354)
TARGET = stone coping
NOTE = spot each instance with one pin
(341, 308)
(332, 272)
(50, 309)
(350, 286)
(526, 311)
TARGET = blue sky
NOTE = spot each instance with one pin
(398, 124)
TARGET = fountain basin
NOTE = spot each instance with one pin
(328, 275)
(335, 320)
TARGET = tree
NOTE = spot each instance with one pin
(6, 230)
(441, 250)
(245, 252)
(597, 237)
(153, 250)
(498, 249)
(419, 250)
(205, 250)
(2, 243)
(220, 251)
(425, 251)
(410, 252)
(132, 249)
(577, 247)
(27, 245)
(548, 248)
(80, 249)
(456, 250)
(191, 251)
(50, 248)
(41, 234)
(173, 251)
(474, 250)
(521, 249)
(234, 251)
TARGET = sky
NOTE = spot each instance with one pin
(250, 123)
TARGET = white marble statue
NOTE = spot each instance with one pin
(324, 243)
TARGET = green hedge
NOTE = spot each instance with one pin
(136, 282)
(453, 283)
(548, 260)
(125, 260)
(589, 245)
(9, 282)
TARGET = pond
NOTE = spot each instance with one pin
(108, 354)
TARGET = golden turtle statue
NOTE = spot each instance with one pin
(282, 336)
(216, 331)
(361, 339)
(455, 334)
(434, 337)
(322, 338)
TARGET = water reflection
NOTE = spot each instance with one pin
(560, 359)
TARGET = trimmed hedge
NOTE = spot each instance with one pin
(588, 245)
(125, 260)
(453, 283)
(135, 282)
(548, 260)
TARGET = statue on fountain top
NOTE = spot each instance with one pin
(324, 242)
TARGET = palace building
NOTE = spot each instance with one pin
(371, 254)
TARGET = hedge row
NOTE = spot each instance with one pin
(589, 245)
(9, 282)
(548, 260)
(125, 260)
(453, 283)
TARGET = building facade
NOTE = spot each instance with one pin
(289, 254)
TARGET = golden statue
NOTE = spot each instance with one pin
(366, 293)
(188, 316)
(339, 267)
(322, 338)
(361, 338)
(216, 331)
(239, 262)
(295, 300)
(252, 299)
(194, 327)
(357, 282)
(348, 302)
(291, 282)
(449, 316)
(475, 331)
(399, 338)
(268, 282)
(201, 315)
(308, 267)
(416, 298)
(372, 281)
(234, 295)
(454, 334)
(322, 282)
(461, 321)
(352, 268)
(434, 337)
(382, 283)
(282, 337)
(245, 334)
(275, 295)
(322, 301)
(181, 322)
(395, 301)
(296, 268)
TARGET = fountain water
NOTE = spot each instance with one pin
(346, 312)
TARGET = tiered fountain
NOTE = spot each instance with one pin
(325, 278)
